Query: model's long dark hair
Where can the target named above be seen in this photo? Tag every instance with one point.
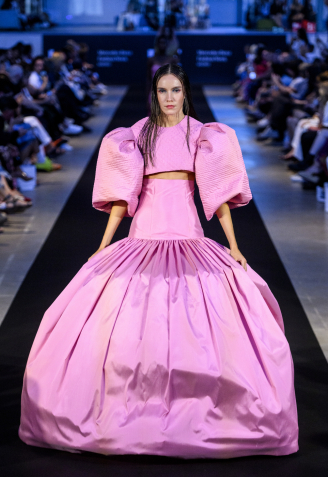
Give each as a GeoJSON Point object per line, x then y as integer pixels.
{"type": "Point", "coordinates": [148, 134]}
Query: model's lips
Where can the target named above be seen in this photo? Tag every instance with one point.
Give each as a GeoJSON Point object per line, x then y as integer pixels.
{"type": "Point", "coordinates": [170, 106]}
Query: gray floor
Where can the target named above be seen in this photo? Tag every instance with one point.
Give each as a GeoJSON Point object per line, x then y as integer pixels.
{"type": "Point", "coordinates": [27, 231]}
{"type": "Point", "coordinates": [296, 222]}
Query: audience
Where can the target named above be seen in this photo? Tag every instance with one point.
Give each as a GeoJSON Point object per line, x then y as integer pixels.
{"type": "Point", "coordinates": [43, 101]}
{"type": "Point", "coordinates": [288, 99]}
{"type": "Point", "coordinates": [270, 14]}
{"type": "Point", "coordinates": [177, 14]}
{"type": "Point", "coordinates": [30, 15]}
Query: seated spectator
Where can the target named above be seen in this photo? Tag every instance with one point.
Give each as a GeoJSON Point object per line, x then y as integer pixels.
{"type": "Point", "coordinates": [11, 200]}
{"type": "Point", "coordinates": [300, 43]}
{"type": "Point", "coordinates": [20, 135]}
{"type": "Point", "coordinates": [38, 81]}
{"type": "Point", "coordinates": [151, 14]}
{"type": "Point", "coordinates": [285, 98]}
{"type": "Point", "coordinates": [277, 12]}
{"type": "Point", "coordinates": [39, 100]}
{"type": "Point", "coordinates": [295, 13]}
{"type": "Point", "coordinates": [315, 138]}
{"type": "Point", "coordinates": [72, 89]}
{"type": "Point", "coordinates": [257, 69]}
{"type": "Point", "coordinates": [308, 11]}
{"type": "Point", "coordinates": [55, 106]}
{"type": "Point", "coordinates": [268, 14]}
{"type": "Point", "coordinates": [291, 108]}
{"type": "Point", "coordinates": [203, 13]}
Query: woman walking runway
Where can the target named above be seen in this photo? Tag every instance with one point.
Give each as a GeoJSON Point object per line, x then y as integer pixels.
{"type": "Point", "coordinates": [165, 342]}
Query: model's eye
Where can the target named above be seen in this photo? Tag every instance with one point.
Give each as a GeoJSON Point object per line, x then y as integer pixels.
{"type": "Point", "coordinates": [176, 90]}
{"type": "Point", "coordinates": [161, 90]}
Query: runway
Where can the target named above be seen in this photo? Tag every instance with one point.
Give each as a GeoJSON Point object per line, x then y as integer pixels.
{"type": "Point", "coordinates": [74, 237]}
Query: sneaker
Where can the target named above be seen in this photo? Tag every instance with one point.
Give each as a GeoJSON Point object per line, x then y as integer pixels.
{"type": "Point", "coordinates": [267, 133]}
{"type": "Point", "coordinates": [68, 121]}
{"type": "Point", "coordinates": [254, 114]}
{"type": "Point", "coordinates": [263, 123]}
{"type": "Point", "coordinates": [66, 147]}
{"type": "Point", "coordinates": [72, 130]}
{"type": "Point", "coordinates": [100, 88]}
{"type": "Point", "coordinates": [320, 193]}
{"type": "Point", "coordinates": [296, 178]}
{"type": "Point", "coordinates": [308, 176]}
{"type": "Point", "coordinates": [48, 166]}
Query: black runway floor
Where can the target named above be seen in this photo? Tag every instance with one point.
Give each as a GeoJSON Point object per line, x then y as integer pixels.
{"type": "Point", "coordinates": [74, 237]}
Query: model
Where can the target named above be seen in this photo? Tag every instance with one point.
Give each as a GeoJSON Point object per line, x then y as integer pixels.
{"type": "Point", "coordinates": [165, 342]}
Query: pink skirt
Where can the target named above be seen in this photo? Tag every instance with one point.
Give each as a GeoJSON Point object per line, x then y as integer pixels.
{"type": "Point", "coordinates": [162, 344]}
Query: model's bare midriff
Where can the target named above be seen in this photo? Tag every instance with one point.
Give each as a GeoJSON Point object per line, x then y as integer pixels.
{"type": "Point", "coordinates": [183, 175]}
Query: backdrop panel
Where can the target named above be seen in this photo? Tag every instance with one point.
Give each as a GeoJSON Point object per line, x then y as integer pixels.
{"type": "Point", "coordinates": [208, 59]}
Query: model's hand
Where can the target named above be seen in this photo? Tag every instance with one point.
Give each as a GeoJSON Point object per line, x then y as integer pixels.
{"type": "Point", "coordinates": [99, 250]}
{"type": "Point", "coordinates": [239, 257]}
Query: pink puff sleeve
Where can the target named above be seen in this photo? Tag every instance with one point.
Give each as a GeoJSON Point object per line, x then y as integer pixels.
{"type": "Point", "coordinates": [119, 171]}
{"type": "Point", "coordinates": [220, 170]}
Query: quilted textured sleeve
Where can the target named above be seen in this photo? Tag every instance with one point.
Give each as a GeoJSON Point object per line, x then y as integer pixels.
{"type": "Point", "coordinates": [220, 170]}
{"type": "Point", "coordinates": [119, 171]}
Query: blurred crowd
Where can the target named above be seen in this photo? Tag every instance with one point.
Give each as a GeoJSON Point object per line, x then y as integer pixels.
{"type": "Point", "coordinates": [286, 95]}
{"type": "Point", "coordinates": [152, 14]}
{"type": "Point", "coordinates": [23, 15]}
{"type": "Point", "coordinates": [43, 102]}
{"type": "Point", "coordinates": [191, 14]}
{"type": "Point", "coordinates": [273, 14]}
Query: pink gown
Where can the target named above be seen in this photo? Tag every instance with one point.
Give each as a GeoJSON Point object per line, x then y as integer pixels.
{"type": "Point", "coordinates": [162, 343]}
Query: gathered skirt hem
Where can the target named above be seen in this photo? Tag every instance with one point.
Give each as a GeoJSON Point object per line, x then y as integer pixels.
{"type": "Point", "coordinates": [162, 347]}
{"type": "Point", "coordinates": [174, 450]}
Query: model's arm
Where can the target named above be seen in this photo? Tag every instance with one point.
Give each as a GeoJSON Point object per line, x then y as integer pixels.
{"type": "Point", "coordinates": [224, 216]}
{"type": "Point", "coordinates": [116, 215]}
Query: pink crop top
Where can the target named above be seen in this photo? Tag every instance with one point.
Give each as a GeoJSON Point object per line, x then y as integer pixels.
{"type": "Point", "coordinates": [172, 152]}
{"type": "Point", "coordinates": [214, 156]}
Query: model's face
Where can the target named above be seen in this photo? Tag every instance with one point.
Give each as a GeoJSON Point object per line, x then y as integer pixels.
{"type": "Point", "coordinates": [170, 95]}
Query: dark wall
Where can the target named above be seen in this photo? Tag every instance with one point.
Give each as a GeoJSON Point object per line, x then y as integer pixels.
{"type": "Point", "coordinates": [208, 59]}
